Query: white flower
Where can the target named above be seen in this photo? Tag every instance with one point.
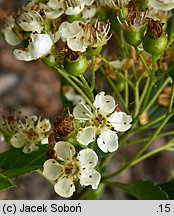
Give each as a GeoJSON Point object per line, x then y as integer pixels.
{"type": "Point", "coordinates": [67, 169]}
{"type": "Point", "coordinates": [72, 34]}
{"type": "Point", "coordinates": [71, 95]}
{"type": "Point", "coordinates": [163, 5]}
{"type": "Point", "coordinates": [70, 7]}
{"type": "Point", "coordinates": [31, 21]}
{"type": "Point", "coordinates": [9, 32]}
{"type": "Point", "coordinates": [101, 122]}
{"type": "Point", "coordinates": [30, 134]}
{"type": "Point", "coordinates": [113, 3]}
{"type": "Point", "coordinates": [40, 45]}
{"type": "Point", "coordinates": [8, 124]}
{"type": "Point", "coordinates": [79, 36]}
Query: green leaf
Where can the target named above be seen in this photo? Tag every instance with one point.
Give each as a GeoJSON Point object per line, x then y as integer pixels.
{"type": "Point", "coordinates": [143, 190]}
{"type": "Point", "coordinates": [14, 162]}
{"type": "Point", "coordinates": [5, 183]}
{"type": "Point", "coordinates": [168, 187]}
{"type": "Point", "coordinates": [95, 194]}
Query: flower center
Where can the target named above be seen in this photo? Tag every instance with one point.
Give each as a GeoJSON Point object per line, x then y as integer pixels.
{"type": "Point", "coordinates": [101, 122]}
{"type": "Point", "coordinates": [71, 168]}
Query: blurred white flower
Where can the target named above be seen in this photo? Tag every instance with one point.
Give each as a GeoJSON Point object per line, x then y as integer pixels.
{"type": "Point", "coordinates": [30, 134]}
{"type": "Point", "coordinates": [163, 5]}
{"type": "Point", "coordinates": [67, 169]}
{"type": "Point", "coordinates": [10, 33]}
{"type": "Point", "coordinates": [70, 7]}
{"type": "Point", "coordinates": [71, 95]}
{"type": "Point", "coordinates": [39, 46]}
{"type": "Point", "coordinates": [113, 3]}
{"type": "Point", "coordinates": [103, 121]}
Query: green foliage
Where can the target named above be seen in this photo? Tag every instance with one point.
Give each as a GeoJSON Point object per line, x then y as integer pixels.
{"type": "Point", "coordinates": [143, 190]}
{"type": "Point", "coordinates": [14, 162]}
{"type": "Point", "coordinates": [168, 187]}
{"type": "Point", "coordinates": [5, 183]}
{"type": "Point", "coordinates": [95, 194]}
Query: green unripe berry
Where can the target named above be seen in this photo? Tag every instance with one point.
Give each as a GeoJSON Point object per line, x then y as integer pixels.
{"type": "Point", "coordinates": [76, 67]}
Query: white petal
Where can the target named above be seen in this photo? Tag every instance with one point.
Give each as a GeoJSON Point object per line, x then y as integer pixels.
{"type": "Point", "coordinates": [87, 2]}
{"type": "Point", "coordinates": [65, 187]}
{"type": "Point", "coordinates": [68, 92]}
{"type": "Point", "coordinates": [88, 13]}
{"type": "Point", "coordinates": [76, 44]}
{"type": "Point", "coordinates": [91, 177]}
{"type": "Point", "coordinates": [28, 149]}
{"type": "Point", "coordinates": [69, 30]}
{"type": "Point", "coordinates": [86, 135]}
{"type": "Point", "coordinates": [163, 5]}
{"type": "Point", "coordinates": [22, 55]}
{"type": "Point", "coordinates": [52, 170]}
{"type": "Point", "coordinates": [77, 100]}
{"type": "Point", "coordinates": [44, 124]}
{"type": "Point", "coordinates": [108, 141]}
{"type": "Point", "coordinates": [55, 4]}
{"type": "Point", "coordinates": [105, 104]}
{"type": "Point", "coordinates": [120, 121]}
{"type": "Point", "coordinates": [31, 26]}
{"type": "Point", "coordinates": [64, 150]}
{"type": "Point", "coordinates": [88, 159]}
{"type": "Point", "coordinates": [54, 14]}
{"type": "Point", "coordinates": [82, 112]}
{"type": "Point", "coordinates": [18, 140]}
{"type": "Point", "coordinates": [40, 45]}
{"type": "Point", "coordinates": [10, 37]}
{"type": "Point", "coordinates": [74, 10]}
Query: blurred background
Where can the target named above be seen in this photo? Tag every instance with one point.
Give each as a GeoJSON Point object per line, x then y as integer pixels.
{"type": "Point", "coordinates": [33, 88]}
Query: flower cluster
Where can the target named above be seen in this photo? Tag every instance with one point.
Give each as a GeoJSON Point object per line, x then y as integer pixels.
{"type": "Point", "coordinates": [105, 121]}
{"type": "Point", "coordinates": [27, 134]}
{"type": "Point", "coordinates": [64, 167]}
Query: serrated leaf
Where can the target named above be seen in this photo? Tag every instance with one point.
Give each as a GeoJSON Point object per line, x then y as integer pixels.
{"type": "Point", "coordinates": [168, 187]}
{"type": "Point", "coordinates": [143, 190]}
{"type": "Point", "coordinates": [14, 162]}
{"type": "Point", "coordinates": [5, 183]}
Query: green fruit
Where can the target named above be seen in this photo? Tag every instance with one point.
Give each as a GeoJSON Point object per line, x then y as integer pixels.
{"type": "Point", "coordinates": [134, 35]}
{"type": "Point", "coordinates": [153, 45]}
{"type": "Point", "coordinates": [94, 51]}
{"type": "Point", "coordinates": [120, 85]}
{"type": "Point", "coordinates": [50, 60]}
{"type": "Point", "coordinates": [76, 67]}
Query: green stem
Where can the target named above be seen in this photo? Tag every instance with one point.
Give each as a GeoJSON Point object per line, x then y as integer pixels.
{"type": "Point", "coordinates": [152, 81]}
{"type": "Point", "coordinates": [125, 78]}
{"type": "Point", "coordinates": [157, 94]}
{"type": "Point", "coordinates": [93, 73]}
{"type": "Point", "coordinates": [87, 87]}
{"type": "Point", "coordinates": [143, 61]}
{"type": "Point", "coordinates": [129, 163]}
{"type": "Point", "coordinates": [136, 96]}
{"type": "Point", "coordinates": [144, 90]}
{"type": "Point", "coordinates": [126, 92]}
{"type": "Point", "coordinates": [168, 133]}
{"type": "Point", "coordinates": [76, 87]}
{"type": "Point", "coordinates": [155, 151]}
{"type": "Point", "coordinates": [120, 98]}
